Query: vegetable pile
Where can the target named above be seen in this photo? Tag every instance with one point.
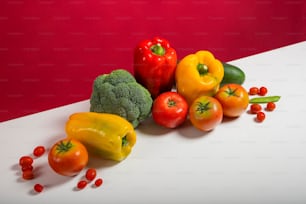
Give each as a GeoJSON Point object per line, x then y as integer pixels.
{"type": "Point", "coordinates": [199, 87]}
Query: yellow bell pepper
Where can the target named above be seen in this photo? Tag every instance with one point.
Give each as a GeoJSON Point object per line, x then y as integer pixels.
{"type": "Point", "coordinates": [198, 74]}
{"type": "Point", "coordinates": [107, 135]}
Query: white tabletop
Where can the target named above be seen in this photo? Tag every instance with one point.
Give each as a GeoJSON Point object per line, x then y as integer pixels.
{"type": "Point", "coordinates": [241, 161]}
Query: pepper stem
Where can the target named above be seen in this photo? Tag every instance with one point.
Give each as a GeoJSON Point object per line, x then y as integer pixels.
{"type": "Point", "coordinates": [202, 69]}
{"type": "Point", "coordinates": [158, 49]}
{"type": "Point", "coordinates": [124, 141]}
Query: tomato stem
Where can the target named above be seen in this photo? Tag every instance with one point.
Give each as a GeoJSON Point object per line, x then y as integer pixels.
{"type": "Point", "coordinates": [64, 146]}
{"type": "Point", "coordinates": [202, 107]}
{"type": "Point", "coordinates": [171, 103]}
{"type": "Point", "coordinates": [230, 91]}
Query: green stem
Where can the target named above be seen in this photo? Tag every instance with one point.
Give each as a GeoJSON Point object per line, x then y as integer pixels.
{"type": "Point", "coordinates": [202, 107]}
{"type": "Point", "coordinates": [63, 147]}
{"type": "Point", "coordinates": [158, 49]}
{"type": "Point", "coordinates": [125, 142]}
{"type": "Point", "coordinates": [202, 69]}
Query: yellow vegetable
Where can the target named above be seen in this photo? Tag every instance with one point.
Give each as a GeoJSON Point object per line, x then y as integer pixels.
{"type": "Point", "coordinates": [198, 74]}
{"type": "Point", "coordinates": [107, 135]}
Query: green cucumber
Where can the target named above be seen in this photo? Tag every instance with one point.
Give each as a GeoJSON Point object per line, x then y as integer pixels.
{"type": "Point", "coordinates": [232, 74]}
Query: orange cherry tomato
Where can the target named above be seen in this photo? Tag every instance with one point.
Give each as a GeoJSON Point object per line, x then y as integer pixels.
{"type": "Point", "coordinates": [205, 113]}
{"type": "Point", "coordinates": [68, 157]}
{"type": "Point", "coordinates": [233, 98]}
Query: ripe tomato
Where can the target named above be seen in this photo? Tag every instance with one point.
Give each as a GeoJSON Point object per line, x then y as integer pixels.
{"type": "Point", "coordinates": [233, 98]}
{"type": "Point", "coordinates": [39, 151]}
{"type": "Point", "coordinates": [68, 157]}
{"type": "Point", "coordinates": [90, 174]}
{"type": "Point", "coordinates": [169, 109]}
{"type": "Point", "coordinates": [205, 113]}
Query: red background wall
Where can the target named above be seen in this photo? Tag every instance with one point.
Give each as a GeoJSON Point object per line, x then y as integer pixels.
{"type": "Point", "coordinates": [51, 51]}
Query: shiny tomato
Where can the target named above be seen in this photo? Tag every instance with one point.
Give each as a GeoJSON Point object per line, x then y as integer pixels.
{"type": "Point", "coordinates": [68, 157]}
{"type": "Point", "coordinates": [169, 109]}
{"type": "Point", "coordinates": [205, 113]}
{"type": "Point", "coordinates": [233, 98]}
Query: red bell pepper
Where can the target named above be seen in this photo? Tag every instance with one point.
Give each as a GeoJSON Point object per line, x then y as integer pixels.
{"type": "Point", "coordinates": [154, 65]}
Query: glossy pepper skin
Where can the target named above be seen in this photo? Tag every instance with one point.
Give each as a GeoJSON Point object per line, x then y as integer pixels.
{"type": "Point", "coordinates": [154, 65]}
{"type": "Point", "coordinates": [107, 135]}
{"type": "Point", "coordinates": [198, 74]}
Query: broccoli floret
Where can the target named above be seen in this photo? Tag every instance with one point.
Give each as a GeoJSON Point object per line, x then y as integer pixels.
{"type": "Point", "coordinates": [119, 93]}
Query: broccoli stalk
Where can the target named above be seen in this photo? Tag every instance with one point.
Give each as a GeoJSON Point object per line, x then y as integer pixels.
{"type": "Point", "coordinates": [119, 93]}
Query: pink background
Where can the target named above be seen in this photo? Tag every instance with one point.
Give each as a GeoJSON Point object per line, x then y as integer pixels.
{"type": "Point", "coordinates": [51, 51]}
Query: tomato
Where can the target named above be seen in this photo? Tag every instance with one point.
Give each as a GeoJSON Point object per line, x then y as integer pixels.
{"type": "Point", "coordinates": [255, 108]}
{"type": "Point", "coordinates": [270, 106]}
{"type": "Point", "coordinates": [253, 91]}
{"type": "Point", "coordinates": [91, 174]}
{"type": "Point", "coordinates": [82, 184]}
{"type": "Point", "coordinates": [169, 109]}
{"type": "Point", "coordinates": [38, 188]}
{"type": "Point", "coordinates": [25, 161]}
{"type": "Point", "coordinates": [68, 157]}
{"type": "Point", "coordinates": [98, 182]}
{"type": "Point", "coordinates": [233, 98]}
{"type": "Point", "coordinates": [262, 91]}
{"type": "Point", "coordinates": [39, 151]}
{"type": "Point", "coordinates": [205, 113]}
{"type": "Point", "coordinates": [260, 116]}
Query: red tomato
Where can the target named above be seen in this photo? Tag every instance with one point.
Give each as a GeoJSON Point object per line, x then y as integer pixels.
{"type": "Point", "coordinates": [262, 91]}
{"type": "Point", "coordinates": [205, 113]}
{"type": "Point", "coordinates": [255, 108]}
{"type": "Point", "coordinates": [39, 151]}
{"type": "Point", "coordinates": [260, 116]}
{"type": "Point", "coordinates": [253, 91]}
{"type": "Point", "coordinates": [233, 98]}
{"type": "Point", "coordinates": [169, 109]}
{"type": "Point", "coordinates": [270, 106]}
{"type": "Point", "coordinates": [91, 174]}
{"type": "Point", "coordinates": [68, 157]}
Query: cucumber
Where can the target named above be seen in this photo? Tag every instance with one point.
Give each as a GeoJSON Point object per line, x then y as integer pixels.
{"type": "Point", "coordinates": [232, 74]}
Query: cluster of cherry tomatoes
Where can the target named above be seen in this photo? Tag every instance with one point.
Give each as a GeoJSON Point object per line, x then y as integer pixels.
{"type": "Point", "coordinates": [71, 157]}
{"type": "Point", "coordinates": [257, 108]}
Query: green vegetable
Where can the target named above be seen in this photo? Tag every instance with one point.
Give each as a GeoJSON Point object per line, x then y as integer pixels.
{"type": "Point", "coordinates": [119, 93]}
{"type": "Point", "coordinates": [232, 74]}
{"type": "Point", "coordinates": [265, 99]}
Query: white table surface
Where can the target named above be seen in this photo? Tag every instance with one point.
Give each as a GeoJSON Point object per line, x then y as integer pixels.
{"type": "Point", "coordinates": [241, 161]}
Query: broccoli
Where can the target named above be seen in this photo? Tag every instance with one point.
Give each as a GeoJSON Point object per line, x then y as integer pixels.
{"type": "Point", "coordinates": [119, 93]}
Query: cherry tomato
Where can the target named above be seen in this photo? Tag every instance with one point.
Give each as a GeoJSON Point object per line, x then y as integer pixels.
{"type": "Point", "coordinates": [262, 91]}
{"type": "Point", "coordinates": [98, 182]}
{"type": "Point", "coordinates": [28, 175]}
{"type": "Point", "coordinates": [205, 113]}
{"type": "Point", "coordinates": [90, 174]}
{"type": "Point", "coordinates": [68, 157]}
{"type": "Point", "coordinates": [260, 116]}
{"type": "Point", "coordinates": [255, 108]}
{"type": "Point", "coordinates": [233, 98]}
{"type": "Point", "coordinates": [270, 106]}
{"type": "Point", "coordinates": [253, 91]}
{"type": "Point", "coordinates": [169, 109]}
{"type": "Point", "coordinates": [39, 151]}
{"type": "Point", "coordinates": [82, 184]}
{"type": "Point", "coordinates": [38, 188]}
{"type": "Point", "coordinates": [26, 168]}
{"type": "Point", "coordinates": [25, 161]}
